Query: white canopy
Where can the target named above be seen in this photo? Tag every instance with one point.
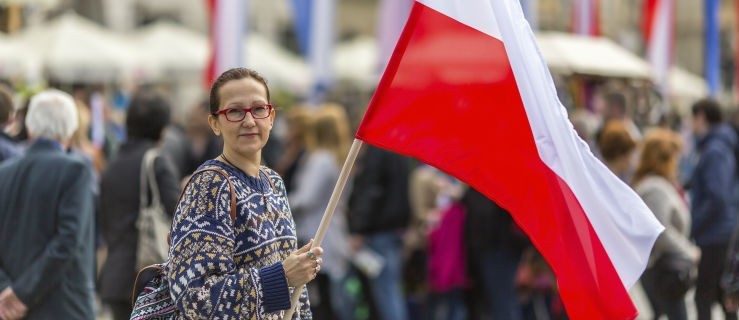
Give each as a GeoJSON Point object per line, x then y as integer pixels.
{"type": "Point", "coordinates": [686, 88]}
{"type": "Point", "coordinates": [76, 50]}
{"type": "Point", "coordinates": [280, 67]}
{"type": "Point", "coordinates": [170, 49]}
{"type": "Point", "coordinates": [357, 61]}
{"type": "Point", "coordinates": [17, 60]}
{"type": "Point", "coordinates": [598, 56]}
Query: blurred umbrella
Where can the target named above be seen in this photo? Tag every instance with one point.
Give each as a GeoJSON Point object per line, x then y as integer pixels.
{"type": "Point", "coordinates": [357, 61]}
{"type": "Point", "coordinates": [42, 3]}
{"type": "Point", "coordinates": [596, 56]}
{"type": "Point", "coordinates": [18, 60]}
{"type": "Point", "coordinates": [172, 49]}
{"type": "Point", "coordinates": [74, 49]}
{"type": "Point", "coordinates": [280, 67]}
{"type": "Point", "coordinates": [686, 88]}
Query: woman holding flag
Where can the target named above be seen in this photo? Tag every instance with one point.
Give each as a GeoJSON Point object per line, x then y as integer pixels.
{"type": "Point", "coordinates": [240, 265]}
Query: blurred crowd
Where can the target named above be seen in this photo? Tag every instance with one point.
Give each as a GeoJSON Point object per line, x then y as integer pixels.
{"type": "Point", "coordinates": [408, 241]}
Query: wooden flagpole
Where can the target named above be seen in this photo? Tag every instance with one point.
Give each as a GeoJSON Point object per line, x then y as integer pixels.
{"type": "Point", "coordinates": [328, 214]}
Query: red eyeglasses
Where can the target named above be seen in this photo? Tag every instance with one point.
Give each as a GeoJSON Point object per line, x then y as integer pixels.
{"type": "Point", "coordinates": [238, 114]}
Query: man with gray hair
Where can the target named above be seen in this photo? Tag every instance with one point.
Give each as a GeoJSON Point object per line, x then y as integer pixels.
{"type": "Point", "coordinates": [46, 213]}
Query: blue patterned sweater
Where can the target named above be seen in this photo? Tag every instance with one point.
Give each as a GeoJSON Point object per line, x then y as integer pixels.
{"type": "Point", "coordinates": [219, 269]}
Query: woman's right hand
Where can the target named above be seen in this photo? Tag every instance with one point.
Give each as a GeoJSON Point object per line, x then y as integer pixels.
{"type": "Point", "coordinates": [302, 265]}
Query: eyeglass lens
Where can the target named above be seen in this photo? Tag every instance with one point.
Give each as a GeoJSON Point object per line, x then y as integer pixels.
{"type": "Point", "coordinates": [257, 112]}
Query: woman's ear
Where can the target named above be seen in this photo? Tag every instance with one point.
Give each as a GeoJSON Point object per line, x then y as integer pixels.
{"type": "Point", "coordinates": [272, 118]}
{"type": "Point", "coordinates": [214, 125]}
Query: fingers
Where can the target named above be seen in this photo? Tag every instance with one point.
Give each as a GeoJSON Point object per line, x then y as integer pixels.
{"type": "Point", "coordinates": [305, 248]}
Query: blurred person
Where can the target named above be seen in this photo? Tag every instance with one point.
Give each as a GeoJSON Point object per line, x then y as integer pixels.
{"type": "Point", "coordinates": [176, 147]}
{"type": "Point", "coordinates": [584, 131]}
{"type": "Point", "coordinates": [204, 144]}
{"type": "Point", "coordinates": [379, 212]}
{"type": "Point", "coordinates": [447, 275]}
{"type": "Point", "coordinates": [315, 178]}
{"type": "Point", "coordinates": [435, 224]}
{"type": "Point", "coordinates": [424, 189]}
{"type": "Point", "coordinates": [494, 246]}
{"type": "Point", "coordinates": [81, 141]}
{"type": "Point", "coordinates": [656, 183]}
{"type": "Point", "coordinates": [615, 108]}
{"type": "Point", "coordinates": [713, 207]}
{"type": "Point", "coordinates": [242, 268]}
{"type": "Point", "coordinates": [9, 148]}
{"type": "Point", "coordinates": [617, 147]}
{"type": "Point", "coordinates": [296, 121]}
{"type": "Point", "coordinates": [146, 120]}
{"type": "Point", "coordinates": [730, 278]}
{"type": "Point", "coordinates": [46, 211]}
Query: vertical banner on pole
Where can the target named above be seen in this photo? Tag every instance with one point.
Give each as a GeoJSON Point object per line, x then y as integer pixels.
{"type": "Point", "coordinates": [227, 19]}
{"type": "Point", "coordinates": [585, 18]}
{"type": "Point", "coordinates": [659, 34]}
{"type": "Point", "coordinates": [713, 46]}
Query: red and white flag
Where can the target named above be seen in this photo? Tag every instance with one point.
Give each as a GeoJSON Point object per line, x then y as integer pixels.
{"type": "Point", "coordinates": [467, 91]}
{"type": "Point", "coordinates": [586, 17]}
{"type": "Point", "coordinates": [659, 33]}
{"type": "Point", "coordinates": [227, 25]}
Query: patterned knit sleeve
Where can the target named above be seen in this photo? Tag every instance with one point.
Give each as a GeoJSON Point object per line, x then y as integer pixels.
{"type": "Point", "coordinates": [203, 278]}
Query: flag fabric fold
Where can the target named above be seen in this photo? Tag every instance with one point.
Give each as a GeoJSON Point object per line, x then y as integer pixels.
{"type": "Point", "coordinates": [659, 29]}
{"type": "Point", "coordinates": [227, 19]}
{"type": "Point", "coordinates": [467, 91]}
{"type": "Point", "coordinates": [586, 17]}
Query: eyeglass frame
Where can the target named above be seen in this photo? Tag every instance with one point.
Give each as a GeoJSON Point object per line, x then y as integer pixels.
{"type": "Point", "coordinates": [224, 112]}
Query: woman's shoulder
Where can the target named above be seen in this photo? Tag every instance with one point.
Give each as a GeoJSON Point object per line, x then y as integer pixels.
{"type": "Point", "coordinates": [653, 182]}
{"type": "Point", "coordinates": [210, 173]}
{"type": "Point", "coordinates": [273, 176]}
{"type": "Point", "coordinates": [657, 186]}
{"type": "Point", "coordinates": [270, 172]}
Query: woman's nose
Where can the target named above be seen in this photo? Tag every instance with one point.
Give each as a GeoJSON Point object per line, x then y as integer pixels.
{"type": "Point", "coordinates": [248, 120]}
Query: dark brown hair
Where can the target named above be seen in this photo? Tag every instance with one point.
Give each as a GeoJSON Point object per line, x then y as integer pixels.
{"type": "Point", "coordinates": [615, 140]}
{"type": "Point", "coordinates": [6, 104]}
{"type": "Point", "coordinates": [710, 108]}
{"type": "Point", "coordinates": [229, 75]}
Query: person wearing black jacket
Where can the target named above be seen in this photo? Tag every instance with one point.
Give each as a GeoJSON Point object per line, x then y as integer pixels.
{"type": "Point", "coordinates": [147, 117]}
{"type": "Point", "coordinates": [494, 245]}
{"type": "Point", "coordinates": [378, 213]}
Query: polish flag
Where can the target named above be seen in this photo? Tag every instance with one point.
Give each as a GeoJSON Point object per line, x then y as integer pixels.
{"type": "Point", "coordinates": [586, 17]}
{"type": "Point", "coordinates": [659, 31]}
{"type": "Point", "coordinates": [467, 91]}
{"type": "Point", "coordinates": [227, 20]}
{"type": "Point", "coordinates": [392, 15]}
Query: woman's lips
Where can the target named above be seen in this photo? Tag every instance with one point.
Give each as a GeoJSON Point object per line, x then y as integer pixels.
{"type": "Point", "coordinates": [248, 135]}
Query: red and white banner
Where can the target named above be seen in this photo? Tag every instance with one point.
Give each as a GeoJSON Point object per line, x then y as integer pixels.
{"type": "Point", "coordinates": [392, 17]}
{"type": "Point", "coordinates": [227, 20]}
{"type": "Point", "coordinates": [586, 17]}
{"type": "Point", "coordinates": [467, 91]}
{"type": "Point", "coordinates": [659, 34]}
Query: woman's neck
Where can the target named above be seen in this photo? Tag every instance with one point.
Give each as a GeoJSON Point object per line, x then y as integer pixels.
{"type": "Point", "coordinates": [249, 165]}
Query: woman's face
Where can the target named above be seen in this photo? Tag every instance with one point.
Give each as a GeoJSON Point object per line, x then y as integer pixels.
{"type": "Point", "coordinates": [246, 137]}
